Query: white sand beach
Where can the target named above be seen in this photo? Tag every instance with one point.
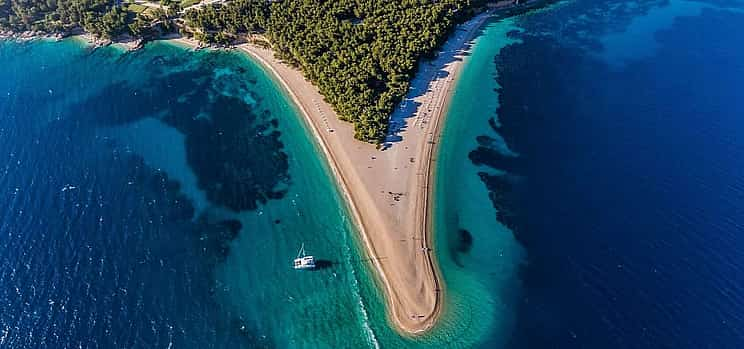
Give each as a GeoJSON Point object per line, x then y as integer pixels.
{"type": "Point", "coordinates": [388, 191]}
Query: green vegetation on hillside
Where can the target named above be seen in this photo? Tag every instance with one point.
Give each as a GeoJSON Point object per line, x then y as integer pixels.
{"type": "Point", "coordinates": [220, 24]}
{"type": "Point", "coordinates": [105, 19]}
{"type": "Point", "coordinates": [98, 17]}
{"type": "Point", "coordinates": [360, 53]}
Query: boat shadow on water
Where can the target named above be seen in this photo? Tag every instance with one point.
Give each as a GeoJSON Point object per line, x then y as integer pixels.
{"type": "Point", "coordinates": [321, 264]}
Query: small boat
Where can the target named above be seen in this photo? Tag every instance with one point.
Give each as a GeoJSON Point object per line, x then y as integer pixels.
{"type": "Point", "coordinates": [303, 261]}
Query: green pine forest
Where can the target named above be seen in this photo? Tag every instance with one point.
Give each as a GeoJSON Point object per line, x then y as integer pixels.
{"type": "Point", "coordinates": [361, 54]}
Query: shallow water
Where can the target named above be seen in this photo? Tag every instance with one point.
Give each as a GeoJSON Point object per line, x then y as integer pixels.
{"type": "Point", "coordinates": [593, 155]}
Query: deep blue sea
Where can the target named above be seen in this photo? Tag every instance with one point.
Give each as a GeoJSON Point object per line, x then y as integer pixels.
{"type": "Point", "coordinates": [98, 248]}
{"type": "Point", "coordinates": [590, 194]}
{"type": "Point", "coordinates": [624, 175]}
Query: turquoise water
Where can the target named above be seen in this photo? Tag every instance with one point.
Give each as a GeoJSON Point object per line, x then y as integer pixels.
{"type": "Point", "coordinates": [158, 198]}
{"type": "Point", "coordinates": [480, 278]}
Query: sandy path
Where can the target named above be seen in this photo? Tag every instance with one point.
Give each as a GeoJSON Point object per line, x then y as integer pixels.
{"type": "Point", "coordinates": [388, 191]}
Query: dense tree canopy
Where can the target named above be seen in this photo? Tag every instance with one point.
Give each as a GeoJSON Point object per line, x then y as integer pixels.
{"type": "Point", "coordinates": [360, 53]}
{"type": "Point", "coordinates": [221, 24]}
{"type": "Point", "coordinates": [105, 19]}
{"type": "Point", "coordinates": [98, 17]}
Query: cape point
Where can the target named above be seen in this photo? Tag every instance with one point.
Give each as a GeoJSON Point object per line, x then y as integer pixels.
{"type": "Point", "coordinates": [388, 189]}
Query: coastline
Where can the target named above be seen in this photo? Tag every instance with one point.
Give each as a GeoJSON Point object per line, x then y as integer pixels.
{"type": "Point", "coordinates": [266, 60]}
{"type": "Point", "coordinates": [126, 43]}
{"type": "Point", "coordinates": [322, 119]}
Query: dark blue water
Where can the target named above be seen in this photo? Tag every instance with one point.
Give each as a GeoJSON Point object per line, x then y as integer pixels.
{"type": "Point", "coordinates": [628, 191]}
{"type": "Point", "coordinates": [100, 248]}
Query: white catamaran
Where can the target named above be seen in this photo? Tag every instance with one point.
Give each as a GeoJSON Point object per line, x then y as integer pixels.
{"type": "Point", "coordinates": [302, 261]}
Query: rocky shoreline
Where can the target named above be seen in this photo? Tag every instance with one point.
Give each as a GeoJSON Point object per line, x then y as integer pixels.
{"type": "Point", "coordinates": [29, 35]}
{"type": "Point", "coordinates": [127, 42]}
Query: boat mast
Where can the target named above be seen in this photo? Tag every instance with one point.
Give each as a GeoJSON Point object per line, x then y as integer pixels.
{"type": "Point", "coordinates": [302, 251]}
